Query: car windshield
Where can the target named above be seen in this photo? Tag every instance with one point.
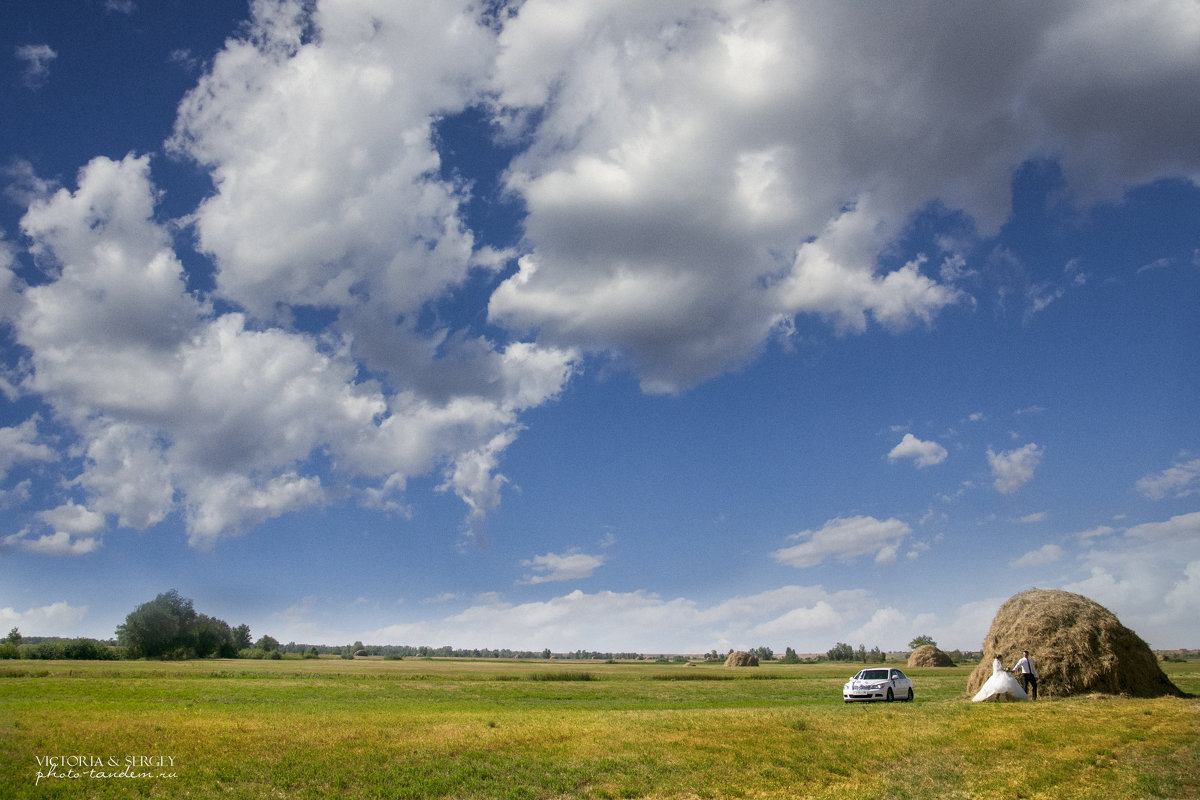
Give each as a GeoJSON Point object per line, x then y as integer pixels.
{"type": "Point", "coordinates": [873, 675]}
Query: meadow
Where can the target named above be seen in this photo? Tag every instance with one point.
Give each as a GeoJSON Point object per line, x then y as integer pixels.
{"type": "Point", "coordinates": [502, 729]}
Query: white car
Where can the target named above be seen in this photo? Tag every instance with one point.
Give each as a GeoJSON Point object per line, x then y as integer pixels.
{"type": "Point", "coordinates": [879, 683]}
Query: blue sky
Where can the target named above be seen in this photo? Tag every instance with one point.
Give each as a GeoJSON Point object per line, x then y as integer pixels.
{"type": "Point", "coordinates": [599, 325]}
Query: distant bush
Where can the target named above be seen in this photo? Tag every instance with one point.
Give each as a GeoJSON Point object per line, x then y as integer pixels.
{"type": "Point", "coordinates": [9, 650]}
{"type": "Point", "coordinates": [23, 673]}
{"type": "Point", "coordinates": [88, 649]}
{"type": "Point", "coordinates": [63, 649]}
{"type": "Point", "coordinates": [48, 650]}
{"type": "Point", "coordinates": [565, 675]}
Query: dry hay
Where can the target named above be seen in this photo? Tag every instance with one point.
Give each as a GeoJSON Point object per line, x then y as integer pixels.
{"type": "Point", "coordinates": [1077, 646]}
{"type": "Point", "coordinates": [928, 655]}
{"type": "Point", "coordinates": [741, 659]}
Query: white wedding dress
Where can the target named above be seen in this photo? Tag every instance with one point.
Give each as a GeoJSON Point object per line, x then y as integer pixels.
{"type": "Point", "coordinates": [1000, 687]}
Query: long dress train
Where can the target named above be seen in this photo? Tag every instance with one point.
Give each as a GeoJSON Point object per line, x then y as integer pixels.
{"type": "Point", "coordinates": [1001, 687]}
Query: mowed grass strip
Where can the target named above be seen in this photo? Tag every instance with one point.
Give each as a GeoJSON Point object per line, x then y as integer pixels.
{"type": "Point", "coordinates": [415, 729]}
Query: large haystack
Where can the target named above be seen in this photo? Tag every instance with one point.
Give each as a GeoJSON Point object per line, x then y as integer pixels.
{"type": "Point", "coordinates": [741, 659]}
{"type": "Point", "coordinates": [928, 655]}
{"type": "Point", "coordinates": [1077, 645]}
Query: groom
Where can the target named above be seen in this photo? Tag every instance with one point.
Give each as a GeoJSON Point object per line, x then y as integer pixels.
{"type": "Point", "coordinates": [1029, 675]}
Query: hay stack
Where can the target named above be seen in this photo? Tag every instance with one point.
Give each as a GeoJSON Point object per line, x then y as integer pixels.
{"type": "Point", "coordinates": [1077, 645]}
{"type": "Point", "coordinates": [741, 659]}
{"type": "Point", "coordinates": [928, 655]}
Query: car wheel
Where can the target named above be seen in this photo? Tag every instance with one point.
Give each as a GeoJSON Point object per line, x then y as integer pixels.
{"type": "Point", "coordinates": [909, 694]}
{"type": "Point", "coordinates": [890, 696]}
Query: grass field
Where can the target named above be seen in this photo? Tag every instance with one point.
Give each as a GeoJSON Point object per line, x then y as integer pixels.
{"type": "Point", "coordinates": [466, 729]}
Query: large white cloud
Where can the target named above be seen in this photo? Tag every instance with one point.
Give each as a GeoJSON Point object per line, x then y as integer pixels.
{"type": "Point", "coordinates": [169, 397]}
{"type": "Point", "coordinates": [702, 172]}
{"type": "Point", "coordinates": [320, 147]}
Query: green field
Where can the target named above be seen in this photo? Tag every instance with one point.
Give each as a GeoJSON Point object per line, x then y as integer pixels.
{"type": "Point", "coordinates": [479, 729]}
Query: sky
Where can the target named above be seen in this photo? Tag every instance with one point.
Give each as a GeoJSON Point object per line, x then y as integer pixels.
{"type": "Point", "coordinates": [599, 324]}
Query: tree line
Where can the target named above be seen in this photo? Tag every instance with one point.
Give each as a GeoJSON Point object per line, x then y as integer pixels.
{"type": "Point", "coordinates": [169, 627]}
{"type": "Point", "coordinates": [166, 627]}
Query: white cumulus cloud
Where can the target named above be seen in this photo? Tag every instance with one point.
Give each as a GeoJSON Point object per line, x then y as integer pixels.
{"type": "Point", "coordinates": [74, 531]}
{"type": "Point", "coordinates": [696, 176]}
{"type": "Point", "coordinates": [216, 416]}
{"type": "Point", "coordinates": [923, 454]}
{"type": "Point", "coordinates": [1013, 469]}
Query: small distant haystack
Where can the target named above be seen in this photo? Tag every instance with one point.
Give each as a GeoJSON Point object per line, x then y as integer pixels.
{"type": "Point", "coordinates": [1077, 645]}
{"type": "Point", "coordinates": [928, 655]}
{"type": "Point", "coordinates": [741, 659]}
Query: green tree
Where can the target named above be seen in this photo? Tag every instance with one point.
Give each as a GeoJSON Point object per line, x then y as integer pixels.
{"type": "Point", "coordinates": [920, 640]}
{"type": "Point", "coordinates": [840, 652]}
{"type": "Point", "coordinates": [790, 657]}
{"type": "Point", "coordinates": [241, 637]}
{"type": "Point", "coordinates": [11, 648]}
{"type": "Point", "coordinates": [267, 644]}
{"type": "Point", "coordinates": [213, 637]}
{"type": "Point", "coordinates": [161, 628]}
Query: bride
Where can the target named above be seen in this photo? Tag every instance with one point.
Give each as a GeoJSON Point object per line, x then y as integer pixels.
{"type": "Point", "coordinates": [1001, 686]}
